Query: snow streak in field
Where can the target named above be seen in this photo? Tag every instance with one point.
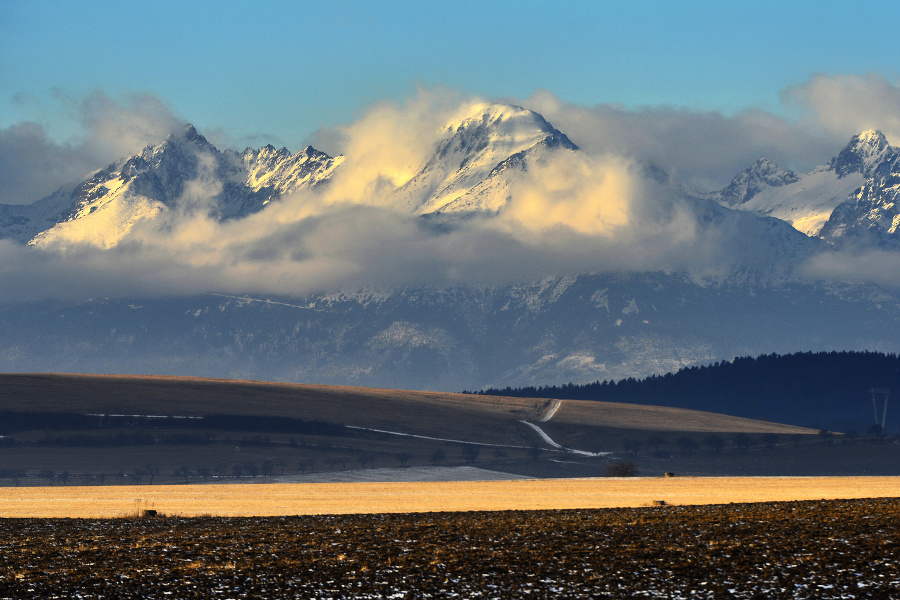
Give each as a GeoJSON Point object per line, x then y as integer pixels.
{"type": "Point", "coordinates": [552, 411]}
{"type": "Point", "coordinates": [436, 439]}
{"type": "Point", "coordinates": [550, 441]}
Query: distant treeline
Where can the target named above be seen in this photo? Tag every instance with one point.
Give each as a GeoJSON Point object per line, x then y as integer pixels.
{"type": "Point", "coordinates": [12, 422]}
{"type": "Point", "coordinates": [825, 390]}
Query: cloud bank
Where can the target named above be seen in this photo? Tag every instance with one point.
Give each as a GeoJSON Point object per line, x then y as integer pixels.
{"type": "Point", "coordinates": [33, 166]}
{"type": "Point", "coordinates": [604, 209]}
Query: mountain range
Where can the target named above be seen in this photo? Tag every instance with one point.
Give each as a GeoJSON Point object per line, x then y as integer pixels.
{"type": "Point", "coordinates": [851, 199]}
{"type": "Point", "coordinates": [580, 327]}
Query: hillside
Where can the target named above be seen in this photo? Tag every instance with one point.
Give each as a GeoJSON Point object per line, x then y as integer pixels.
{"type": "Point", "coordinates": [822, 390]}
{"type": "Point", "coordinates": [101, 428]}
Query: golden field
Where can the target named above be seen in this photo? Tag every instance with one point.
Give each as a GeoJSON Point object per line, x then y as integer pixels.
{"type": "Point", "coordinates": [371, 498]}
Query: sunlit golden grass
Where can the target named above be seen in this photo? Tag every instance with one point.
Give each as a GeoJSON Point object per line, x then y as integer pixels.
{"type": "Point", "coordinates": [662, 418]}
{"type": "Point", "coordinates": [348, 498]}
{"type": "Point", "coordinates": [483, 419]}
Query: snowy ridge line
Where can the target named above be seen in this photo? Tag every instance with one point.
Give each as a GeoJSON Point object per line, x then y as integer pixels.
{"type": "Point", "coordinates": [550, 441]}
{"type": "Point", "coordinates": [436, 439]}
{"type": "Point", "coordinates": [267, 301]}
{"type": "Point", "coordinates": [552, 411]}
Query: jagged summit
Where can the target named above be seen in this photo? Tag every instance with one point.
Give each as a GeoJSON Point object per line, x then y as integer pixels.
{"type": "Point", "coordinates": [863, 154]}
{"type": "Point", "coordinates": [502, 126]}
{"type": "Point", "coordinates": [106, 206]}
{"type": "Point", "coordinates": [475, 156]}
{"type": "Point", "coordinates": [809, 200]}
{"type": "Point", "coordinates": [479, 159]}
{"type": "Point", "coordinates": [871, 214]}
{"type": "Point", "coordinates": [748, 183]}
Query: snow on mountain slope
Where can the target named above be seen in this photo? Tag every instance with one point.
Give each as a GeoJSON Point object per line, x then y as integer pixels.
{"type": "Point", "coordinates": [761, 175]}
{"type": "Point", "coordinates": [807, 201]}
{"type": "Point", "coordinates": [109, 213]}
{"type": "Point", "coordinates": [106, 207]}
{"type": "Point", "coordinates": [282, 172]}
{"type": "Point", "coordinates": [20, 222]}
{"type": "Point", "coordinates": [871, 216]}
{"type": "Point", "coordinates": [865, 153]}
{"type": "Point", "coordinates": [472, 161]}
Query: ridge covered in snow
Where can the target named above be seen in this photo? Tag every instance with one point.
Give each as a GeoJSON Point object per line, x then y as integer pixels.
{"type": "Point", "coordinates": [808, 201]}
{"type": "Point", "coordinates": [104, 208]}
{"type": "Point", "coordinates": [474, 158]}
{"type": "Point", "coordinates": [476, 161]}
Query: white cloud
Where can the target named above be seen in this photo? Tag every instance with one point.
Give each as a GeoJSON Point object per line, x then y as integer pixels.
{"type": "Point", "coordinates": [600, 210]}
{"type": "Point", "coordinates": [874, 266]}
{"type": "Point", "coordinates": [32, 165]}
{"type": "Point", "coordinates": [705, 149]}
{"type": "Point", "coordinates": [844, 105]}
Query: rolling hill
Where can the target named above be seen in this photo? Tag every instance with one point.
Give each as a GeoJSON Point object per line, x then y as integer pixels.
{"type": "Point", "coordinates": [94, 429]}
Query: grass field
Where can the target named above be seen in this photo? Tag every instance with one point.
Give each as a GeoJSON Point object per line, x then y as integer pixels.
{"type": "Point", "coordinates": [369, 428]}
{"type": "Point", "coordinates": [426, 413]}
{"type": "Point", "coordinates": [351, 498]}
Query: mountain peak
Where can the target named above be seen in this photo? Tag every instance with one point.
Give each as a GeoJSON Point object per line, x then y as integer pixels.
{"type": "Point", "coordinates": [748, 183]}
{"type": "Point", "coordinates": [493, 113]}
{"type": "Point", "coordinates": [865, 151]}
{"type": "Point", "coordinates": [506, 123]}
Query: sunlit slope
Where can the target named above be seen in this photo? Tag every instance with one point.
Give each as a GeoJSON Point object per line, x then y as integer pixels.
{"type": "Point", "coordinates": [662, 418]}
{"type": "Point", "coordinates": [482, 419]}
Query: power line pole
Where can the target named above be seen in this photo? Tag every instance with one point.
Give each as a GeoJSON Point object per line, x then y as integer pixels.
{"type": "Point", "coordinates": [886, 393]}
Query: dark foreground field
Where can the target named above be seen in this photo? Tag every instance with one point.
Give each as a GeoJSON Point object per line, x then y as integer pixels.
{"type": "Point", "coordinates": [821, 549]}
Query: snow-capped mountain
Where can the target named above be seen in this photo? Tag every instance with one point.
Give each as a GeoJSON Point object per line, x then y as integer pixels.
{"type": "Point", "coordinates": [471, 170]}
{"type": "Point", "coordinates": [743, 298]}
{"type": "Point", "coordinates": [871, 215]}
{"type": "Point", "coordinates": [548, 331]}
{"type": "Point", "coordinates": [105, 207]}
{"type": "Point", "coordinates": [475, 159]}
{"type": "Point", "coordinates": [807, 201]}
{"type": "Point", "coordinates": [281, 172]}
{"type": "Point", "coordinates": [761, 175]}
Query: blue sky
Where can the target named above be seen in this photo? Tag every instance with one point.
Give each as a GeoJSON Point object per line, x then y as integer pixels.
{"type": "Point", "coordinates": [282, 70]}
{"type": "Point", "coordinates": [698, 89]}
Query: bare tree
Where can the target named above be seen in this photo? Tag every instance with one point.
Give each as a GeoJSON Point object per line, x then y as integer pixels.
{"type": "Point", "coordinates": [438, 457]}
{"type": "Point", "coordinates": [621, 469]}
{"type": "Point", "coordinates": [152, 472]}
{"type": "Point", "coordinates": [471, 453]}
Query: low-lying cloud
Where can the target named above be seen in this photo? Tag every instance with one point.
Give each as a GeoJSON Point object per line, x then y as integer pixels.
{"type": "Point", "coordinates": [604, 209]}
{"type": "Point", "coordinates": [32, 165]}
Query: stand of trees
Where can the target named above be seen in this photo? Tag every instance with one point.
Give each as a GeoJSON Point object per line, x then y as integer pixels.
{"type": "Point", "coordinates": [823, 390]}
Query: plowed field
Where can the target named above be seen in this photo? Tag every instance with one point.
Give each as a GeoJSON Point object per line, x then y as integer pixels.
{"type": "Point", "coordinates": [810, 549]}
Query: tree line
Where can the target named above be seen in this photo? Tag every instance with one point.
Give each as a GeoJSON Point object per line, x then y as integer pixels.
{"type": "Point", "coordinates": [823, 390]}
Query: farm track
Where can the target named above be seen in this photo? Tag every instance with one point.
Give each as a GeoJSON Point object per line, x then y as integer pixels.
{"type": "Point", "coordinates": [812, 549]}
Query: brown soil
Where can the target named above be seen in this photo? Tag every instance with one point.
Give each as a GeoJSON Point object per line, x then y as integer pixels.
{"type": "Point", "coordinates": [818, 549]}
